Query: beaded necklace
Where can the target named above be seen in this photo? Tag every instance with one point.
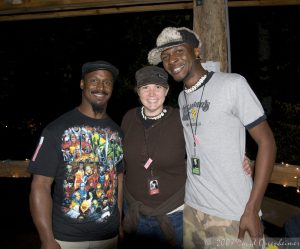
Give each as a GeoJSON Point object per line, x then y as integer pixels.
{"type": "Point", "coordinates": [164, 111]}
{"type": "Point", "coordinates": [197, 85]}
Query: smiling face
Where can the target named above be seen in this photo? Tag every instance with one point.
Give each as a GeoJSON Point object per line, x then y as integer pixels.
{"type": "Point", "coordinates": [97, 87]}
{"type": "Point", "coordinates": [152, 97]}
{"type": "Point", "coordinates": [180, 63]}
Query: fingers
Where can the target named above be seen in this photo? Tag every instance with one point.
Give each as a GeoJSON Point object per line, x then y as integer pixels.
{"type": "Point", "coordinates": [258, 237]}
{"type": "Point", "coordinates": [241, 233]}
{"type": "Point", "coordinates": [247, 169]}
{"type": "Point", "coordinates": [247, 166]}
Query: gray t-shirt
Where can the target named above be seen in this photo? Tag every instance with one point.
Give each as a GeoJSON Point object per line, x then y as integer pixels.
{"type": "Point", "coordinates": [227, 107]}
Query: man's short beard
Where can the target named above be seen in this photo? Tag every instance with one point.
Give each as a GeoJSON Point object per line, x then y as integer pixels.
{"type": "Point", "coordinates": [98, 108]}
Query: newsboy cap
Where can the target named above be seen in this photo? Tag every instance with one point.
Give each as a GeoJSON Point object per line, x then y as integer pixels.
{"type": "Point", "coordinates": [171, 37]}
{"type": "Point", "coordinates": [98, 65]}
{"type": "Point", "coordinates": [151, 75]}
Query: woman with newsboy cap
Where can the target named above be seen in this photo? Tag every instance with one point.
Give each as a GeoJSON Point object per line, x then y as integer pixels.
{"type": "Point", "coordinates": [154, 151]}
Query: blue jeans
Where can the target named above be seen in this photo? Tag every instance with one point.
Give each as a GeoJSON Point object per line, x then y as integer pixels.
{"type": "Point", "coordinates": [150, 235]}
{"type": "Point", "coordinates": [149, 227]}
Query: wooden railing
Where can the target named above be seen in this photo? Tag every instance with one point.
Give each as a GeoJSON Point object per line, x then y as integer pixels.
{"type": "Point", "coordinates": [274, 211]}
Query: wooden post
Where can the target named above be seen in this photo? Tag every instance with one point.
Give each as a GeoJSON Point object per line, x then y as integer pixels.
{"type": "Point", "coordinates": [210, 24]}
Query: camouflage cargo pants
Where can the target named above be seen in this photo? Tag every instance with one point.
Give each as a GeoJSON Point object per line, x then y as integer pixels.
{"type": "Point", "coordinates": [202, 231]}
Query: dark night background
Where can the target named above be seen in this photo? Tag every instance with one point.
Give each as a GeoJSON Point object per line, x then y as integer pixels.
{"type": "Point", "coordinates": [40, 64]}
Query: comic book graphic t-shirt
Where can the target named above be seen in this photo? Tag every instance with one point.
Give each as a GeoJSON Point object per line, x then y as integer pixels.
{"type": "Point", "coordinates": [84, 156]}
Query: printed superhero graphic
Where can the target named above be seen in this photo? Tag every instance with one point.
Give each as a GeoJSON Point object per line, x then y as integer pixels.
{"type": "Point", "coordinates": [91, 179]}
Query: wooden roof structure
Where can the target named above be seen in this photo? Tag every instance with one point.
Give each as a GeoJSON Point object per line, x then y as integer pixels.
{"type": "Point", "coordinates": [209, 16]}
{"type": "Point", "coordinates": [13, 10]}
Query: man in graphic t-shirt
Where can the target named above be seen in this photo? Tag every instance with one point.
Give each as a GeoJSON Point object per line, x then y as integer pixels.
{"type": "Point", "coordinates": [83, 211]}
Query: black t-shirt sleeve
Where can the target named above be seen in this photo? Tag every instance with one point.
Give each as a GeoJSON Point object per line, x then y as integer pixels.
{"type": "Point", "coordinates": [45, 159]}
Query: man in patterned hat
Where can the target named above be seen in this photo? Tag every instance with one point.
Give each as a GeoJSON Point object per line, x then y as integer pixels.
{"type": "Point", "coordinates": [222, 204]}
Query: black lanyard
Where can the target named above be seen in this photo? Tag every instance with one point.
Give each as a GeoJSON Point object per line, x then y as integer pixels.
{"type": "Point", "coordinates": [196, 125]}
{"type": "Point", "coordinates": [152, 123]}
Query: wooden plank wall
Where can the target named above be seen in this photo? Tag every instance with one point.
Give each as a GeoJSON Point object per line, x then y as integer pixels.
{"type": "Point", "coordinates": [41, 9]}
{"type": "Point", "coordinates": [23, 6]}
{"type": "Point", "coordinates": [12, 10]}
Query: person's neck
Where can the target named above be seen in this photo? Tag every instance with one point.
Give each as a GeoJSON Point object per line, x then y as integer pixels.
{"type": "Point", "coordinates": [149, 113]}
{"type": "Point", "coordinates": [89, 112]}
{"type": "Point", "coordinates": [200, 72]}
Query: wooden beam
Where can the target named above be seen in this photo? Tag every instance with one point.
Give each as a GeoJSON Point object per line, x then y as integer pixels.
{"type": "Point", "coordinates": [14, 10]}
{"type": "Point", "coordinates": [64, 5]}
{"type": "Point", "coordinates": [286, 175]}
{"type": "Point", "coordinates": [74, 8]}
{"type": "Point", "coordinates": [210, 23]}
{"type": "Point", "coordinates": [14, 168]}
{"type": "Point", "coordinates": [250, 3]}
{"type": "Point", "coordinates": [94, 11]}
{"type": "Point", "coordinates": [277, 212]}
{"type": "Point", "coordinates": [21, 6]}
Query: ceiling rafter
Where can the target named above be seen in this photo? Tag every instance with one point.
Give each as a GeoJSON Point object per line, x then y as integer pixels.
{"type": "Point", "coordinates": [13, 10]}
